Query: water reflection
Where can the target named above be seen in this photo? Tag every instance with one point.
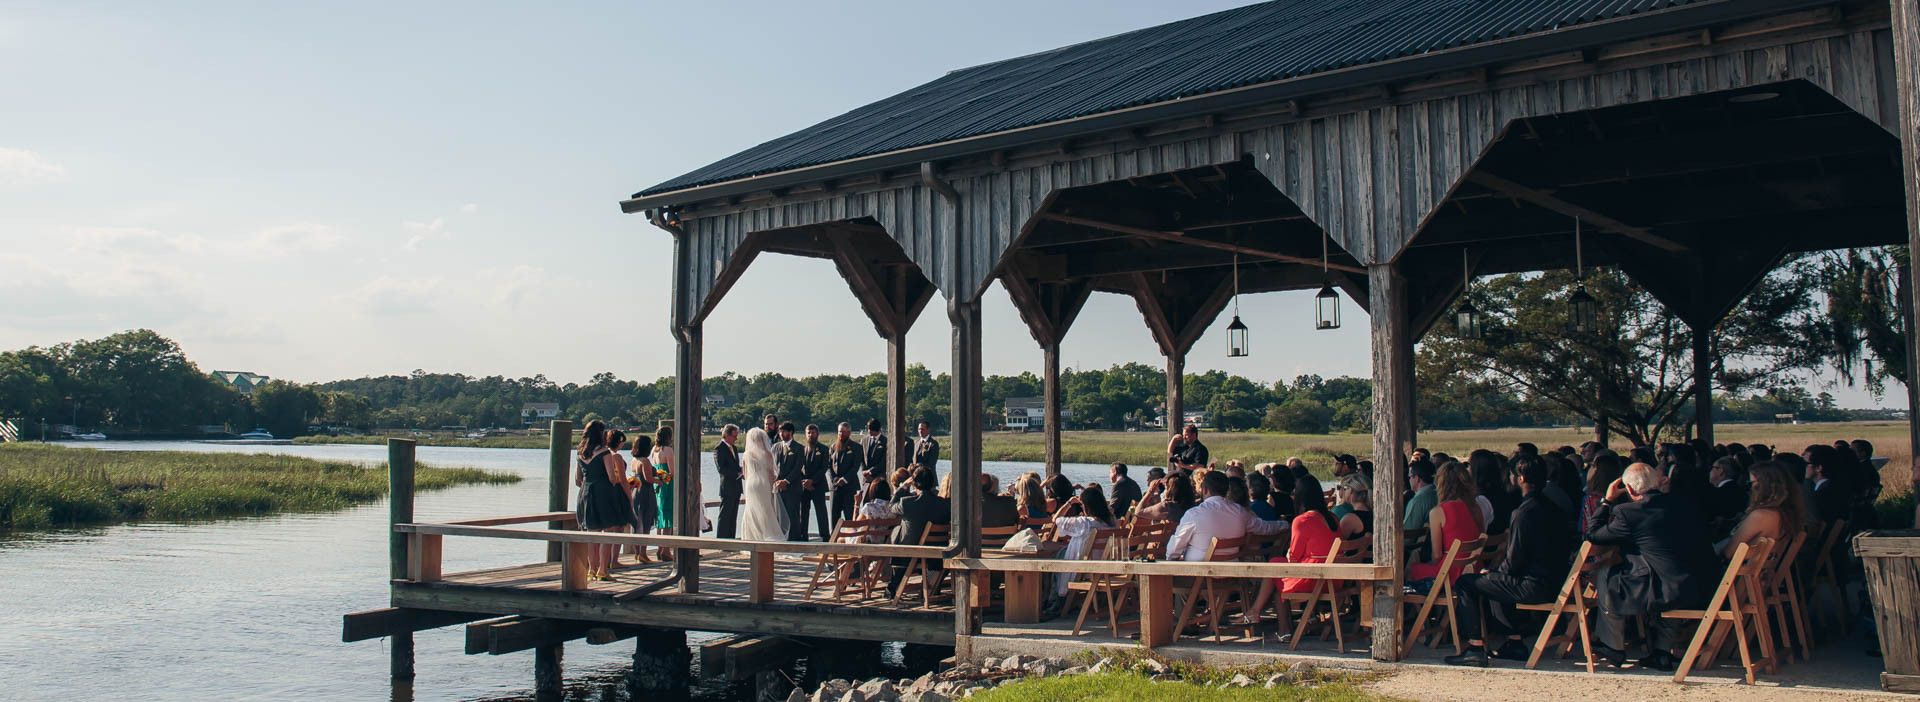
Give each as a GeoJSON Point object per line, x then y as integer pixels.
{"type": "Point", "coordinates": [249, 609]}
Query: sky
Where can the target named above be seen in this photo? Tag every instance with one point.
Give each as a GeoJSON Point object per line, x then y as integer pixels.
{"type": "Point", "coordinates": [331, 190]}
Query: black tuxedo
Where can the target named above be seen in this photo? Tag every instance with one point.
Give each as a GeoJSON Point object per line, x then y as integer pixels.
{"type": "Point", "coordinates": [817, 465]}
{"type": "Point", "coordinates": [875, 449]}
{"type": "Point", "coordinates": [926, 452]}
{"type": "Point", "coordinates": [1669, 564]}
{"type": "Point", "coordinates": [727, 459]}
{"type": "Point", "coordinates": [847, 465]}
{"type": "Point", "coordinates": [1536, 564]}
{"type": "Point", "coordinates": [791, 458]}
{"type": "Point", "coordinates": [1125, 494]}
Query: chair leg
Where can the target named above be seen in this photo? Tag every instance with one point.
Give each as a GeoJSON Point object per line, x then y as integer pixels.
{"type": "Point", "coordinates": [1800, 619]}
{"type": "Point", "coordinates": [1186, 610]}
{"type": "Point", "coordinates": [1586, 640]}
{"type": "Point", "coordinates": [1086, 605]}
{"type": "Point", "coordinates": [1546, 635]}
{"type": "Point", "coordinates": [1306, 615]}
{"type": "Point", "coordinates": [1419, 623]}
{"type": "Point", "coordinates": [1740, 638]}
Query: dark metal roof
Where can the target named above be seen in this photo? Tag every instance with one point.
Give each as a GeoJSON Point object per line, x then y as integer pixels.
{"type": "Point", "coordinates": [1244, 46]}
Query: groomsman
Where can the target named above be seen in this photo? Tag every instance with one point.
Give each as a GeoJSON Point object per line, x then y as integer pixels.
{"type": "Point", "coordinates": [726, 457]}
{"type": "Point", "coordinates": [772, 424]}
{"type": "Point", "coordinates": [848, 459]}
{"type": "Point", "coordinates": [790, 479]}
{"type": "Point", "coordinates": [926, 451]}
{"type": "Point", "coordinates": [819, 463]}
{"type": "Point", "coordinates": [875, 447]}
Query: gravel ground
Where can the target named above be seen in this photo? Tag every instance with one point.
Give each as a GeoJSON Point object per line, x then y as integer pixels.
{"type": "Point", "coordinates": [1472, 685]}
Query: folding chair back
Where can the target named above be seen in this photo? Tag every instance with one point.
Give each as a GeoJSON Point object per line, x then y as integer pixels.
{"type": "Point", "coordinates": [1441, 593]}
{"type": "Point", "coordinates": [931, 576]}
{"type": "Point", "coordinates": [842, 570]}
{"type": "Point", "coordinates": [1733, 606]}
{"type": "Point", "coordinates": [997, 537]}
{"type": "Point", "coordinates": [1824, 572]}
{"type": "Point", "coordinates": [1328, 590]}
{"type": "Point", "coordinates": [1782, 594]}
{"type": "Point", "coordinates": [1574, 600]}
{"type": "Point", "coordinates": [1218, 551]}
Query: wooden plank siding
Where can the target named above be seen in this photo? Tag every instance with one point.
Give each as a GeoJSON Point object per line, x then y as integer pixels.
{"type": "Point", "coordinates": [1370, 176]}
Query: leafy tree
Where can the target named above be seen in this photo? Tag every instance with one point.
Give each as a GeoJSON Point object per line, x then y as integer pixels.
{"type": "Point", "coordinates": [1298, 415]}
{"type": "Point", "coordinates": [1866, 291]}
{"type": "Point", "coordinates": [286, 408]}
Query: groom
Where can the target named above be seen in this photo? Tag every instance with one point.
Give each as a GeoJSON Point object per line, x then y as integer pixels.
{"type": "Point", "coordinates": [726, 457]}
{"type": "Point", "coordinates": [790, 480]}
{"type": "Point", "coordinates": [819, 463]}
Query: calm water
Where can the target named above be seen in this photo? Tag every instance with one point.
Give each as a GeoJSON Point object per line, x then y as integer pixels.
{"type": "Point", "coordinates": [249, 609]}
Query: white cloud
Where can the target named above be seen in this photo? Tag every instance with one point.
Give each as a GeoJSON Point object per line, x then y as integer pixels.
{"type": "Point", "coordinates": [490, 290]}
{"type": "Point", "coordinates": [23, 167]}
{"type": "Point", "coordinates": [470, 208]}
{"type": "Point", "coordinates": [298, 237]}
{"type": "Point", "coordinates": [425, 231]}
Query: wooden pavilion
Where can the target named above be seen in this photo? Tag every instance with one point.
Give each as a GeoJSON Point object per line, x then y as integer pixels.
{"type": "Point", "coordinates": [1366, 144]}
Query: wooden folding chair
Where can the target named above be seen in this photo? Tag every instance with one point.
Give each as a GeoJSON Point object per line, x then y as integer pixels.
{"type": "Point", "coordinates": [1575, 600]}
{"type": "Point", "coordinates": [1105, 545]}
{"type": "Point", "coordinates": [1332, 592]}
{"type": "Point", "coordinates": [1218, 551]}
{"type": "Point", "coordinates": [1146, 540]}
{"type": "Point", "coordinates": [1735, 603]}
{"type": "Point", "coordinates": [1824, 572]}
{"type": "Point", "coordinates": [930, 577]}
{"type": "Point", "coordinates": [1783, 600]}
{"type": "Point", "coordinates": [843, 570]}
{"type": "Point", "coordinates": [1440, 594]}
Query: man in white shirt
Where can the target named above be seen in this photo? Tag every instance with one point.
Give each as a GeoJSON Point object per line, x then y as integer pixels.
{"type": "Point", "coordinates": [1215, 518]}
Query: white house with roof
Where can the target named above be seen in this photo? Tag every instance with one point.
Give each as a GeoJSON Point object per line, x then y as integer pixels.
{"type": "Point", "coordinates": [243, 381]}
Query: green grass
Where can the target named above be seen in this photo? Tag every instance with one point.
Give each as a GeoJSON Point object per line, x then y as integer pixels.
{"type": "Point", "coordinates": [53, 487]}
{"type": "Point", "coordinates": [1134, 687]}
{"type": "Point", "coordinates": [518, 442]}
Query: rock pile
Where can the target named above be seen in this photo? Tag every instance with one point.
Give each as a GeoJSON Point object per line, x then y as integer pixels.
{"type": "Point", "coordinates": [965, 679]}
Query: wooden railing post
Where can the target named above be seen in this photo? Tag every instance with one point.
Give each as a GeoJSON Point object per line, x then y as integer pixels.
{"type": "Point", "coordinates": [573, 565]}
{"type": "Point", "coordinates": [399, 511]}
{"type": "Point", "coordinates": [760, 588]}
{"type": "Point", "coordinates": [559, 473]}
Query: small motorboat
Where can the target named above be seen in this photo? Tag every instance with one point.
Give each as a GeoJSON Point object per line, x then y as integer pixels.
{"type": "Point", "coordinates": [258, 435]}
{"type": "Point", "coordinates": [90, 436]}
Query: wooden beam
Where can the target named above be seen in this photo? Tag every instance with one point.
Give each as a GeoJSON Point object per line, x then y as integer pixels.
{"type": "Point", "coordinates": [1906, 63]}
{"type": "Point", "coordinates": [387, 621]}
{"type": "Point", "coordinates": [520, 633]}
{"type": "Point", "coordinates": [1393, 439]}
{"type": "Point", "coordinates": [911, 628]}
{"type": "Point", "coordinates": [859, 275]}
{"type": "Point", "coordinates": [1546, 200]}
{"type": "Point", "coordinates": [1179, 238]}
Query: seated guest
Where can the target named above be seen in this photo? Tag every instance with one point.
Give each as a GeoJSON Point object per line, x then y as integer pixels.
{"type": "Point", "coordinates": [996, 510]}
{"type": "Point", "coordinates": [1774, 509]}
{"type": "Point", "coordinates": [1125, 491]}
{"type": "Point", "coordinates": [1643, 454]}
{"type": "Point", "coordinates": [1565, 487]}
{"type": "Point", "coordinates": [1156, 473]}
{"type": "Point", "coordinates": [1455, 518]}
{"type": "Point", "coordinates": [1606, 469]}
{"type": "Point", "coordinates": [1355, 491]}
{"type": "Point", "coordinates": [1237, 492]}
{"type": "Point", "coordinates": [1423, 499]}
{"type": "Point", "coordinates": [1345, 463]}
{"type": "Point", "coordinates": [1169, 502]}
{"type": "Point", "coordinates": [1030, 497]}
{"type": "Point", "coordinates": [1366, 469]}
{"type": "Point", "coordinates": [1826, 472]}
{"type": "Point", "coordinates": [917, 510]}
{"type": "Point", "coordinates": [1059, 489]}
{"type": "Point", "coordinates": [1076, 522]}
{"type": "Point", "coordinates": [876, 502]}
{"type": "Point", "coordinates": [1497, 499]}
{"type": "Point", "coordinates": [1667, 564]}
{"type": "Point", "coordinates": [1310, 536]}
{"type": "Point", "coordinates": [1727, 499]}
{"type": "Point", "coordinates": [1762, 452]}
{"type": "Point", "coordinates": [1538, 549]}
{"type": "Point", "coordinates": [1282, 495]}
{"type": "Point", "coordinates": [1235, 468]}
{"type": "Point", "coordinates": [1260, 496]}
{"type": "Point", "coordinates": [902, 481]}
{"type": "Point", "coordinates": [1214, 518]}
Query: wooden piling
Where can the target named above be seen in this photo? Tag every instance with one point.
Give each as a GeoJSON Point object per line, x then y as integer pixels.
{"type": "Point", "coordinates": [1905, 32]}
{"type": "Point", "coordinates": [547, 677]}
{"type": "Point", "coordinates": [1392, 444]}
{"type": "Point", "coordinates": [662, 665]}
{"type": "Point", "coordinates": [399, 511]}
{"type": "Point", "coordinates": [899, 454]}
{"type": "Point", "coordinates": [964, 534]}
{"type": "Point", "coordinates": [1050, 396]}
{"type": "Point", "coordinates": [688, 420]}
{"type": "Point", "coordinates": [559, 475]}
{"type": "Point", "coordinates": [1176, 394]}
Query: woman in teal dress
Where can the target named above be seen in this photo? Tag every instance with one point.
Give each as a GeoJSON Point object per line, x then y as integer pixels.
{"type": "Point", "coordinates": [663, 461]}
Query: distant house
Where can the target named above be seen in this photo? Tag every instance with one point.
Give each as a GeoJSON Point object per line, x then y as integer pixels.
{"type": "Point", "coordinates": [715, 401]}
{"type": "Point", "coordinates": [241, 380]}
{"type": "Point", "coordinates": [1030, 414]}
{"type": "Point", "coordinates": [533, 413]}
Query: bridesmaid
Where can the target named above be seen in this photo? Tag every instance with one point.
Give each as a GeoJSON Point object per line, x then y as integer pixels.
{"type": "Point", "coordinates": [662, 459]}
{"type": "Point", "coordinates": [644, 503]}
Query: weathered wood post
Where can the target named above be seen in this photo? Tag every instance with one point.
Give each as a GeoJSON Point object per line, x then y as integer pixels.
{"type": "Point", "coordinates": [965, 403]}
{"type": "Point", "coordinates": [399, 511]}
{"type": "Point", "coordinates": [1703, 382]}
{"type": "Point", "coordinates": [1392, 443]}
{"type": "Point", "coordinates": [898, 452]}
{"type": "Point", "coordinates": [688, 423]}
{"type": "Point", "coordinates": [1050, 396]}
{"type": "Point", "coordinates": [547, 673]}
{"type": "Point", "coordinates": [1176, 393]}
{"type": "Point", "coordinates": [1906, 66]}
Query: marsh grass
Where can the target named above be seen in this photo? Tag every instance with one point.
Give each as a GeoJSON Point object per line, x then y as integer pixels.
{"type": "Point", "coordinates": [53, 487]}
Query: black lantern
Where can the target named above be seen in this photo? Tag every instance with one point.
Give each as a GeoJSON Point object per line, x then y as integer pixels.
{"type": "Point", "coordinates": [1466, 318]}
{"type": "Point", "coordinates": [1236, 338]}
{"type": "Point", "coordinates": [1326, 307]}
{"type": "Point", "coordinates": [1236, 331]}
{"type": "Point", "coordinates": [1583, 312]}
{"type": "Point", "coordinates": [1326, 304]}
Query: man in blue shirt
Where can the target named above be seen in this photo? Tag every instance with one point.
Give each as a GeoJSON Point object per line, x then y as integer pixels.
{"type": "Point", "coordinates": [1420, 478]}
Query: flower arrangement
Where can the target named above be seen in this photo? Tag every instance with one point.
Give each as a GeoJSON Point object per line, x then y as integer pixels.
{"type": "Point", "coordinates": [662, 476]}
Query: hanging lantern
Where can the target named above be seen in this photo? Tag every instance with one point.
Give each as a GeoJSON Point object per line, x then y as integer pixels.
{"type": "Point", "coordinates": [1466, 318]}
{"type": "Point", "coordinates": [1326, 304]}
{"type": "Point", "coordinates": [1236, 332]}
{"type": "Point", "coordinates": [1236, 338]}
{"type": "Point", "coordinates": [1326, 307]}
{"type": "Point", "coordinates": [1583, 313]}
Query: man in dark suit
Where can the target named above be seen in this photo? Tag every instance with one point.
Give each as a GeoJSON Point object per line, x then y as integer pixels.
{"type": "Point", "coordinates": [1126, 492]}
{"type": "Point", "coordinates": [814, 486]}
{"type": "Point", "coordinates": [1664, 541]}
{"type": "Point", "coordinates": [875, 448]}
{"type": "Point", "coordinates": [848, 460]}
{"type": "Point", "coordinates": [1831, 499]}
{"type": "Point", "coordinates": [1535, 566]}
{"type": "Point", "coordinates": [996, 510]}
{"type": "Point", "coordinates": [790, 480]}
{"type": "Point", "coordinates": [925, 506]}
{"type": "Point", "coordinates": [1727, 499]}
{"type": "Point", "coordinates": [726, 458]}
{"type": "Point", "coordinates": [926, 451]}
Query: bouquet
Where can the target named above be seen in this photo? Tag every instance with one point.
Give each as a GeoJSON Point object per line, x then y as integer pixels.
{"type": "Point", "coordinates": [661, 475]}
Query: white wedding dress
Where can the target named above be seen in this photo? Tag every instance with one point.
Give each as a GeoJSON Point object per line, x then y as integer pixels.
{"type": "Point", "coordinates": [761, 518]}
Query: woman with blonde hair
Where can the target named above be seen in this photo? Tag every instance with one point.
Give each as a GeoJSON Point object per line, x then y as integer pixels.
{"type": "Point", "coordinates": [1355, 491]}
{"type": "Point", "coordinates": [1776, 508]}
{"type": "Point", "coordinates": [1031, 498]}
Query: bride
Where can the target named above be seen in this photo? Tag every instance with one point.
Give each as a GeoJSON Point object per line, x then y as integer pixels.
{"type": "Point", "coordinates": [762, 519]}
